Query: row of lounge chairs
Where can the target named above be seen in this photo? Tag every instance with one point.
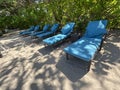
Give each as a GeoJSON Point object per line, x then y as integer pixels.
{"type": "Point", "coordinates": [84, 48]}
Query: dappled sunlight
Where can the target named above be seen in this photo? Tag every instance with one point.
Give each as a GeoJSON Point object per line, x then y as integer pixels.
{"type": "Point", "coordinates": [32, 66]}
{"type": "Point", "coordinates": [29, 60]}
{"type": "Point", "coordinates": [108, 58]}
{"type": "Point", "coordinates": [107, 63]}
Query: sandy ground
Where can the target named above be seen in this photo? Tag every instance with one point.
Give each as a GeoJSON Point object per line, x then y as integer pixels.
{"type": "Point", "coordinates": [28, 65]}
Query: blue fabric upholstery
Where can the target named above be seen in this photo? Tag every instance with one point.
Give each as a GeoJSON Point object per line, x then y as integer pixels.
{"type": "Point", "coordinates": [26, 33]}
{"type": "Point", "coordinates": [66, 30]}
{"type": "Point", "coordinates": [36, 28]}
{"type": "Point", "coordinates": [54, 39]}
{"type": "Point", "coordinates": [28, 30]}
{"type": "Point", "coordinates": [96, 29]}
{"type": "Point", "coordinates": [44, 34]}
{"type": "Point", "coordinates": [36, 33]}
{"type": "Point", "coordinates": [45, 28]}
{"type": "Point", "coordinates": [52, 30]}
{"type": "Point", "coordinates": [31, 30]}
{"type": "Point", "coordinates": [84, 48]}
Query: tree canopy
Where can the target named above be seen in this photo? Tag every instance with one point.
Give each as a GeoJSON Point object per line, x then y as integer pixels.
{"type": "Point", "coordinates": [24, 13]}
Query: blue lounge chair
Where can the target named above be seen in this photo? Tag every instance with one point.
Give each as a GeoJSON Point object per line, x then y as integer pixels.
{"type": "Point", "coordinates": [45, 28]}
{"type": "Point", "coordinates": [31, 30]}
{"type": "Point", "coordinates": [65, 32]}
{"type": "Point", "coordinates": [53, 29]}
{"type": "Point", "coordinates": [28, 30]}
{"type": "Point", "coordinates": [87, 46]}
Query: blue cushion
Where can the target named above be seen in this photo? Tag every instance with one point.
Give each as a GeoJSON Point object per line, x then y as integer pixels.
{"type": "Point", "coordinates": [96, 28]}
{"type": "Point", "coordinates": [31, 28]}
{"type": "Point", "coordinates": [36, 28]}
{"type": "Point", "coordinates": [105, 22]}
{"type": "Point", "coordinates": [36, 33]}
{"type": "Point", "coordinates": [54, 39]}
{"type": "Point", "coordinates": [28, 30]}
{"type": "Point", "coordinates": [45, 28]}
{"type": "Point", "coordinates": [25, 33]}
{"type": "Point", "coordinates": [44, 34]}
{"type": "Point", "coordinates": [67, 28]}
{"type": "Point", "coordinates": [84, 48]}
{"type": "Point", "coordinates": [54, 27]}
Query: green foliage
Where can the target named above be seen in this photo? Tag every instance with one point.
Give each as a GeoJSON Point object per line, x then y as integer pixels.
{"type": "Point", "coordinates": [16, 14]}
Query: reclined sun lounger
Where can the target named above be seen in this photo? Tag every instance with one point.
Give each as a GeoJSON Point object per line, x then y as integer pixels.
{"type": "Point", "coordinates": [30, 30]}
{"type": "Point", "coordinates": [65, 32]}
{"type": "Point", "coordinates": [87, 46]}
{"type": "Point", "coordinates": [52, 31]}
{"type": "Point", "coordinates": [45, 28]}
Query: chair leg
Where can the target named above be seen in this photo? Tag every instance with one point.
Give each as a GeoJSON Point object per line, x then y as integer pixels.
{"type": "Point", "coordinates": [46, 45]}
{"type": "Point", "coordinates": [67, 56]}
{"type": "Point", "coordinates": [89, 64]}
{"type": "Point", "coordinates": [101, 45]}
{"type": "Point", "coordinates": [0, 55]}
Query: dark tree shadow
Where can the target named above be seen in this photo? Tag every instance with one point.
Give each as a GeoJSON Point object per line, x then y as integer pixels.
{"type": "Point", "coordinates": [38, 65]}
{"type": "Point", "coordinates": [34, 86]}
{"type": "Point", "coordinates": [110, 57]}
{"type": "Point", "coordinates": [7, 69]}
{"type": "Point", "coordinates": [114, 36]}
{"type": "Point", "coordinates": [51, 69]}
{"type": "Point", "coordinates": [34, 56]}
{"type": "Point", "coordinates": [74, 69]}
{"type": "Point", "coordinates": [17, 42]}
{"type": "Point", "coordinates": [46, 50]}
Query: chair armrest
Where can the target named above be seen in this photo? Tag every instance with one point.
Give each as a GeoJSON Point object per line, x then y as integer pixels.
{"type": "Point", "coordinates": [105, 35]}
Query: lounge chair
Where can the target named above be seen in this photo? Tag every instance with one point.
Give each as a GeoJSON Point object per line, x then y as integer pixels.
{"type": "Point", "coordinates": [86, 47]}
{"type": "Point", "coordinates": [30, 30]}
{"type": "Point", "coordinates": [45, 28]}
{"type": "Point", "coordinates": [65, 32]}
{"type": "Point", "coordinates": [52, 31]}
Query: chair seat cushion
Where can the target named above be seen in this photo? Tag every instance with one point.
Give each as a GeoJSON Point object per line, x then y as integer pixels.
{"type": "Point", "coordinates": [25, 32]}
{"type": "Point", "coordinates": [36, 33]}
{"type": "Point", "coordinates": [84, 48]}
{"type": "Point", "coordinates": [44, 34]}
{"type": "Point", "coordinates": [54, 39]}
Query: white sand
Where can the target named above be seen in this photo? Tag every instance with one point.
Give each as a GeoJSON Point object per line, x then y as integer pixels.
{"type": "Point", "coordinates": [28, 65]}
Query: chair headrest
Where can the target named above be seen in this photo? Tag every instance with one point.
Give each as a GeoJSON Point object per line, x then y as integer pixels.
{"type": "Point", "coordinates": [54, 27]}
{"type": "Point", "coordinates": [45, 28]}
{"type": "Point", "coordinates": [96, 28]}
{"type": "Point", "coordinates": [68, 28]}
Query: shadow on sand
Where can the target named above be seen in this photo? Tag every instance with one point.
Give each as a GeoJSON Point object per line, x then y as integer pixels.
{"type": "Point", "coordinates": [45, 74]}
{"type": "Point", "coordinates": [74, 69]}
{"type": "Point", "coordinates": [110, 56]}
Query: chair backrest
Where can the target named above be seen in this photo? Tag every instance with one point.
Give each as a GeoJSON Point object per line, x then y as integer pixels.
{"type": "Point", "coordinates": [31, 28]}
{"type": "Point", "coordinates": [96, 29]}
{"type": "Point", "coordinates": [68, 28]}
{"type": "Point", "coordinates": [37, 28]}
{"type": "Point", "coordinates": [46, 27]}
{"type": "Point", "coordinates": [54, 28]}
